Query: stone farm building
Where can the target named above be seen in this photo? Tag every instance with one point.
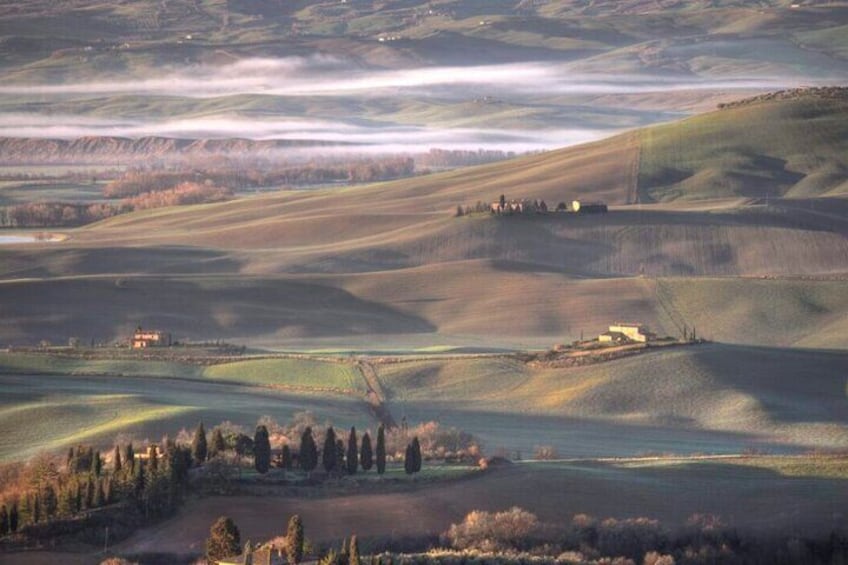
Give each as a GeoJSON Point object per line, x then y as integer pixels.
{"type": "Point", "coordinates": [143, 339]}
{"type": "Point", "coordinates": [622, 332]}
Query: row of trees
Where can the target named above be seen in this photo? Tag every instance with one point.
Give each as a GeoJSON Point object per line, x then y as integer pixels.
{"type": "Point", "coordinates": [242, 176]}
{"type": "Point", "coordinates": [336, 456]}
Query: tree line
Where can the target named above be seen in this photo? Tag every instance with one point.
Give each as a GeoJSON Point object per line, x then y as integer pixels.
{"type": "Point", "coordinates": [336, 456]}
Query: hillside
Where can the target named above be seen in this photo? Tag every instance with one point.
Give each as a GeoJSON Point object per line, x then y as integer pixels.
{"type": "Point", "coordinates": [708, 398]}
{"type": "Point", "coordinates": [391, 260]}
{"type": "Point", "coordinates": [765, 147]}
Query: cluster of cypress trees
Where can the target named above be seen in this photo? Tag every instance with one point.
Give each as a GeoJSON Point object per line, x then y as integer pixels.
{"type": "Point", "coordinates": [154, 485]}
{"type": "Point", "coordinates": [347, 555]}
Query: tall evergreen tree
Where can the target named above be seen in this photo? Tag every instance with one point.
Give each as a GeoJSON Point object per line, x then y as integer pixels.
{"type": "Point", "coordinates": [4, 520]}
{"type": "Point", "coordinates": [352, 459]}
{"type": "Point", "coordinates": [139, 479]}
{"type": "Point", "coordinates": [99, 495]}
{"type": "Point", "coordinates": [129, 459]}
{"type": "Point", "coordinates": [25, 510]}
{"type": "Point", "coordinates": [294, 540]}
{"type": "Point", "coordinates": [340, 456]}
{"type": "Point", "coordinates": [353, 551]}
{"type": "Point", "coordinates": [67, 504]}
{"type": "Point", "coordinates": [381, 450]}
{"type": "Point", "coordinates": [96, 464]}
{"type": "Point", "coordinates": [261, 450]}
{"type": "Point", "coordinates": [248, 553]}
{"type": "Point", "coordinates": [409, 460]}
{"type": "Point", "coordinates": [36, 508]}
{"type": "Point", "coordinates": [79, 495]}
{"type": "Point", "coordinates": [108, 493]}
{"type": "Point", "coordinates": [14, 517]}
{"type": "Point", "coordinates": [366, 456]}
{"type": "Point", "coordinates": [308, 451]}
{"type": "Point", "coordinates": [224, 540]}
{"type": "Point", "coordinates": [89, 493]}
{"type": "Point", "coordinates": [416, 455]}
{"type": "Point", "coordinates": [286, 458]}
{"type": "Point", "coordinates": [153, 457]}
{"type": "Point", "coordinates": [49, 501]}
{"type": "Point", "coordinates": [218, 446]}
{"type": "Point", "coordinates": [116, 461]}
{"type": "Point", "coordinates": [198, 445]}
{"type": "Point", "coordinates": [328, 455]}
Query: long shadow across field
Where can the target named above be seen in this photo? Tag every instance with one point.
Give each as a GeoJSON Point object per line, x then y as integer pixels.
{"type": "Point", "coordinates": [744, 497]}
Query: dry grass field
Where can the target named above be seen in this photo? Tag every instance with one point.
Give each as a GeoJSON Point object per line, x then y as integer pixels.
{"type": "Point", "coordinates": [555, 491]}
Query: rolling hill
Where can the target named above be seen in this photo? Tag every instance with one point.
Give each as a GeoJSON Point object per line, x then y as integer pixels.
{"type": "Point", "coordinates": [390, 258]}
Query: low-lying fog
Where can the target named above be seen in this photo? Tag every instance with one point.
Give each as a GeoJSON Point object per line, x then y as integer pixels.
{"type": "Point", "coordinates": [529, 89]}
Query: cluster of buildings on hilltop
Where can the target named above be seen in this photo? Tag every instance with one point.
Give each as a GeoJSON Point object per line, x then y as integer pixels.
{"type": "Point", "coordinates": [525, 206]}
{"type": "Point", "coordinates": [142, 339]}
{"type": "Point", "coordinates": [622, 332]}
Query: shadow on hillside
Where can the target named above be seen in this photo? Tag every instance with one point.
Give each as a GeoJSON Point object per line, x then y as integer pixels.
{"type": "Point", "coordinates": [570, 436]}
{"type": "Point", "coordinates": [64, 260]}
{"type": "Point", "coordinates": [792, 386]}
{"type": "Point", "coordinates": [205, 308]}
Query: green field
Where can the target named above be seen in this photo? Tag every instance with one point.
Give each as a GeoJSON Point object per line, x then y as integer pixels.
{"type": "Point", "coordinates": [51, 413]}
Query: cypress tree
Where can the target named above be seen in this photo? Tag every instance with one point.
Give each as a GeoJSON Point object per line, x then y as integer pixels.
{"type": "Point", "coordinates": [70, 460]}
{"type": "Point", "coordinates": [248, 553]}
{"type": "Point", "coordinates": [261, 450]}
{"type": "Point", "coordinates": [218, 446]}
{"type": "Point", "coordinates": [49, 502]}
{"type": "Point", "coordinates": [116, 463]}
{"type": "Point", "coordinates": [4, 521]}
{"type": "Point", "coordinates": [99, 496]}
{"type": "Point", "coordinates": [352, 459]}
{"type": "Point", "coordinates": [138, 482]}
{"type": "Point", "coordinates": [381, 450]}
{"type": "Point", "coordinates": [78, 496]}
{"type": "Point", "coordinates": [308, 451]}
{"type": "Point", "coordinates": [108, 494]}
{"type": "Point", "coordinates": [198, 445]}
{"type": "Point", "coordinates": [67, 502]}
{"type": "Point", "coordinates": [96, 464]}
{"type": "Point", "coordinates": [416, 455]}
{"type": "Point", "coordinates": [36, 508]}
{"type": "Point", "coordinates": [340, 456]}
{"type": "Point", "coordinates": [294, 540]}
{"type": "Point", "coordinates": [25, 510]}
{"type": "Point", "coordinates": [353, 551]}
{"type": "Point", "coordinates": [409, 460]}
{"type": "Point", "coordinates": [286, 458]}
{"type": "Point", "coordinates": [129, 459]}
{"type": "Point", "coordinates": [366, 457]}
{"type": "Point", "coordinates": [328, 456]}
{"type": "Point", "coordinates": [13, 517]}
{"type": "Point", "coordinates": [224, 540]}
{"type": "Point", "coordinates": [153, 458]}
{"type": "Point", "coordinates": [89, 494]}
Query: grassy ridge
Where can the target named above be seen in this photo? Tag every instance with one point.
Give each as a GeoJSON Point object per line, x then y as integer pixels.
{"type": "Point", "coordinates": [713, 399]}
{"type": "Point", "coordinates": [788, 148]}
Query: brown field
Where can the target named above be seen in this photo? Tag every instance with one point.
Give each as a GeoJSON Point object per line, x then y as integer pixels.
{"type": "Point", "coordinates": [752, 494]}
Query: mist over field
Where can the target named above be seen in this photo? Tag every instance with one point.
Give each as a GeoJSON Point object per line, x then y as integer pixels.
{"type": "Point", "coordinates": [323, 76]}
{"type": "Point", "coordinates": [372, 138]}
{"type": "Point", "coordinates": [513, 107]}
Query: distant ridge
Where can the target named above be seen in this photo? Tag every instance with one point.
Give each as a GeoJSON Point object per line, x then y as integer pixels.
{"type": "Point", "coordinates": [99, 149]}
{"type": "Point", "coordinates": [822, 92]}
